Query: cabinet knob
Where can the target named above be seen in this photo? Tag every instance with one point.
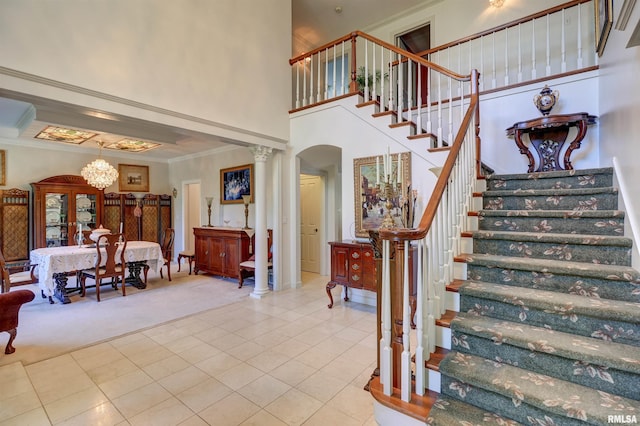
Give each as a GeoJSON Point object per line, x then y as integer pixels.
{"type": "Point", "coordinates": [355, 255]}
{"type": "Point", "coordinates": [355, 266]}
{"type": "Point", "coordinates": [355, 277]}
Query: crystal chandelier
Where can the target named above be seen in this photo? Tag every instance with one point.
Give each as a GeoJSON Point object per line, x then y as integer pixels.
{"type": "Point", "coordinates": [99, 173]}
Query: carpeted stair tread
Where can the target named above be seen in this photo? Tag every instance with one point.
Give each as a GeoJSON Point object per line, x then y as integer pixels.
{"type": "Point", "coordinates": [596, 222]}
{"type": "Point", "coordinates": [558, 238]}
{"type": "Point", "coordinates": [448, 411]}
{"type": "Point", "coordinates": [551, 301]}
{"type": "Point", "coordinates": [556, 267]}
{"type": "Point", "coordinates": [561, 192]}
{"type": "Point", "coordinates": [593, 178]}
{"type": "Point", "coordinates": [553, 174]}
{"type": "Point", "coordinates": [609, 366]}
{"type": "Point", "coordinates": [609, 354]}
{"type": "Point", "coordinates": [528, 396]}
{"type": "Point", "coordinates": [606, 319]}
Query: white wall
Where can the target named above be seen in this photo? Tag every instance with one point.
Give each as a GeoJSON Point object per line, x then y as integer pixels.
{"type": "Point", "coordinates": [225, 61]}
{"type": "Point", "coordinates": [620, 109]}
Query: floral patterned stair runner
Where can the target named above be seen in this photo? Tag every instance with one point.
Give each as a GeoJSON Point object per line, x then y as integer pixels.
{"type": "Point", "coordinates": [549, 329]}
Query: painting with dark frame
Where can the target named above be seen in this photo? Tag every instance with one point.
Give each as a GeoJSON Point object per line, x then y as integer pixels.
{"type": "Point", "coordinates": [369, 208]}
{"type": "Point", "coordinates": [236, 182]}
{"type": "Point", "coordinates": [133, 178]}
{"type": "Point", "coordinates": [604, 22]}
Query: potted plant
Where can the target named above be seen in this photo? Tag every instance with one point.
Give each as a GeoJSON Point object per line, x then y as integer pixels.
{"type": "Point", "coordinates": [367, 80]}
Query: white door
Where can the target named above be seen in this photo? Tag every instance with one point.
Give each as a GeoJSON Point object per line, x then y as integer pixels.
{"type": "Point", "coordinates": [311, 204]}
{"type": "Point", "coordinates": [191, 213]}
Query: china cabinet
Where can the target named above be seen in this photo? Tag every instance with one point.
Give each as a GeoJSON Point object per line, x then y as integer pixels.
{"type": "Point", "coordinates": [61, 205]}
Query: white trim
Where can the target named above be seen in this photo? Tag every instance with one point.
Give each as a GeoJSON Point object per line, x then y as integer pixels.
{"type": "Point", "coordinates": [630, 215]}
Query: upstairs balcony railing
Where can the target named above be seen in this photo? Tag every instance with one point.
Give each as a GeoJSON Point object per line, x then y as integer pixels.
{"type": "Point", "coordinates": [554, 42]}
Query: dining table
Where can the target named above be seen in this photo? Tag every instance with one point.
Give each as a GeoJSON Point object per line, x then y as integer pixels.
{"type": "Point", "coordinates": [56, 264]}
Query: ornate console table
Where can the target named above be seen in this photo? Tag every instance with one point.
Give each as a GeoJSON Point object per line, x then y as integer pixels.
{"type": "Point", "coordinates": [547, 135]}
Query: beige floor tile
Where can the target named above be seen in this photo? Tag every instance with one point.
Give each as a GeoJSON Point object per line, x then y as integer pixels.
{"type": "Point", "coordinates": [125, 383]}
{"type": "Point", "coordinates": [148, 357]}
{"type": "Point", "coordinates": [239, 375]}
{"type": "Point", "coordinates": [291, 347]}
{"type": "Point", "coordinates": [111, 371]}
{"type": "Point", "coordinates": [35, 417]}
{"type": "Point", "coordinates": [271, 339]}
{"type": "Point", "coordinates": [327, 416]}
{"type": "Point", "coordinates": [103, 415]}
{"type": "Point", "coordinates": [321, 386]}
{"type": "Point", "coordinates": [353, 401]}
{"type": "Point", "coordinates": [218, 364]}
{"type": "Point", "coordinates": [294, 407]}
{"type": "Point", "coordinates": [182, 344]}
{"type": "Point", "coordinates": [316, 357]}
{"type": "Point", "coordinates": [53, 385]}
{"type": "Point", "coordinates": [211, 334]}
{"type": "Point", "coordinates": [230, 411]}
{"type": "Point", "coordinates": [184, 379]}
{"type": "Point", "coordinates": [169, 412]}
{"type": "Point", "coordinates": [264, 390]}
{"type": "Point", "coordinates": [198, 353]}
{"type": "Point", "coordinates": [246, 350]}
{"type": "Point", "coordinates": [135, 344]}
{"type": "Point", "coordinates": [313, 336]}
{"type": "Point", "coordinates": [204, 394]}
{"type": "Point", "coordinates": [19, 404]}
{"type": "Point", "coordinates": [268, 360]}
{"type": "Point", "coordinates": [141, 399]}
{"type": "Point", "coordinates": [342, 369]}
{"type": "Point", "coordinates": [166, 367]}
{"type": "Point", "coordinates": [263, 418]}
{"type": "Point", "coordinates": [292, 372]}
{"type": "Point", "coordinates": [72, 405]}
{"type": "Point", "coordinates": [194, 421]}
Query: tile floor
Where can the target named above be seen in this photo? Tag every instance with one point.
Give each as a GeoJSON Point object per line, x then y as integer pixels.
{"type": "Point", "coordinates": [282, 360]}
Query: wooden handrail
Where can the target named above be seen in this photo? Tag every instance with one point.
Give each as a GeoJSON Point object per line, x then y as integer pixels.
{"type": "Point", "coordinates": [504, 26]}
{"type": "Point", "coordinates": [402, 234]}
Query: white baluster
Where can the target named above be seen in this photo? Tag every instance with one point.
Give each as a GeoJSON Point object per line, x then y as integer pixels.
{"type": "Point", "coordinates": [386, 351]}
{"type": "Point", "coordinates": [326, 75]}
{"type": "Point", "coordinates": [506, 56]}
{"type": "Point", "coordinates": [548, 69]}
{"type": "Point", "coordinates": [399, 116]}
{"type": "Point", "coordinates": [493, 56]}
{"type": "Point", "coordinates": [419, 130]}
{"type": "Point", "coordinates": [366, 70]}
{"type": "Point", "coordinates": [421, 342]}
{"type": "Point", "coordinates": [579, 65]}
{"type": "Point", "coordinates": [318, 93]}
{"type": "Point", "coordinates": [298, 83]}
{"type": "Point", "coordinates": [405, 358]}
{"type": "Point", "coordinates": [563, 63]}
{"type": "Point", "coordinates": [519, 53]}
{"type": "Point", "coordinates": [533, 49]}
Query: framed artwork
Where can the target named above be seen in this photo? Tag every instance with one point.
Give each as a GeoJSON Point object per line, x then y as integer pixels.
{"type": "Point", "coordinates": [370, 209]}
{"type": "Point", "coordinates": [236, 182]}
{"type": "Point", "coordinates": [604, 22]}
{"type": "Point", "coordinates": [132, 178]}
{"type": "Point", "coordinates": [3, 167]}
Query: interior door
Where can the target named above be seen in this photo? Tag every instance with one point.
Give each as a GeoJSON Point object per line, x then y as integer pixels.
{"type": "Point", "coordinates": [310, 220]}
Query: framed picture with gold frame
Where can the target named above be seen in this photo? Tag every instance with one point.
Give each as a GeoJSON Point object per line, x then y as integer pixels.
{"type": "Point", "coordinates": [3, 167]}
{"type": "Point", "coordinates": [133, 178]}
{"type": "Point", "coordinates": [370, 209]}
{"type": "Point", "coordinates": [236, 182]}
{"type": "Point", "coordinates": [604, 22]}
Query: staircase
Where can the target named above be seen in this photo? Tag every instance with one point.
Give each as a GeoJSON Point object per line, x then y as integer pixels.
{"type": "Point", "coordinates": [548, 331]}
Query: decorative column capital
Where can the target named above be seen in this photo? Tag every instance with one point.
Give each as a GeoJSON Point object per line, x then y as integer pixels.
{"type": "Point", "coordinates": [261, 153]}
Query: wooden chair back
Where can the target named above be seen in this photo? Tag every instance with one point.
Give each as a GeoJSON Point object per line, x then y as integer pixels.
{"type": "Point", "coordinates": [114, 264]}
{"type": "Point", "coordinates": [168, 236]}
{"type": "Point", "coordinates": [85, 237]}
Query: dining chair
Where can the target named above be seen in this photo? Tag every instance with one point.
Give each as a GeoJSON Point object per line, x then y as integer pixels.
{"type": "Point", "coordinates": [17, 273]}
{"type": "Point", "coordinates": [247, 268]}
{"type": "Point", "coordinates": [10, 304]}
{"type": "Point", "coordinates": [85, 237]}
{"type": "Point", "coordinates": [167, 250]}
{"type": "Point", "coordinates": [110, 263]}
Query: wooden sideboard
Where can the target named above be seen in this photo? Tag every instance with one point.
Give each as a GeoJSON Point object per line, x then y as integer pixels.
{"type": "Point", "coordinates": [219, 251]}
{"type": "Point", "coordinates": [352, 265]}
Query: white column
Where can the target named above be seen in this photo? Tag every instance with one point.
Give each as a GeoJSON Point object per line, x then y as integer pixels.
{"type": "Point", "coordinates": [260, 154]}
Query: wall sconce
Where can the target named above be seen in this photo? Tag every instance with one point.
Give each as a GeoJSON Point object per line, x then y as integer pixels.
{"type": "Point", "coordinates": [209, 201]}
{"type": "Point", "coordinates": [496, 3]}
{"type": "Point", "coordinates": [247, 200]}
{"type": "Point", "coordinates": [175, 193]}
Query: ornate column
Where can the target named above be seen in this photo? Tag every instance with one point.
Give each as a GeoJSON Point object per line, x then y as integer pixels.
{"type": "Point", "coordinates": [261, 154]}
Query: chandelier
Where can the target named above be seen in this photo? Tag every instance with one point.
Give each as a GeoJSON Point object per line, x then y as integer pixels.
{"type": "Point", "coordinates": [99, 173]}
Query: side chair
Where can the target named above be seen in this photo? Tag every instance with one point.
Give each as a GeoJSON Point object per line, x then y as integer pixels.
{"type": "Point", "coordinates": [17, 273]}
{"type": "Point", "coordinates": [10, 304]}
{"type": "Point", "coordinates": [167, 250]}
{"type": "Point", "coordinates": [109, 264]}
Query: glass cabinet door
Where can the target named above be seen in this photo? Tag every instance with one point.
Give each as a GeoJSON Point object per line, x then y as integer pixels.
{"type": "Point", "coordinates": [57, 219]}
{"type": "Point", "coordinates": [86, 211]}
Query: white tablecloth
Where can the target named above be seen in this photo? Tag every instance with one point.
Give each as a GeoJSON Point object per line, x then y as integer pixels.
{"type": "Point", "coordinates": [53, 260]}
